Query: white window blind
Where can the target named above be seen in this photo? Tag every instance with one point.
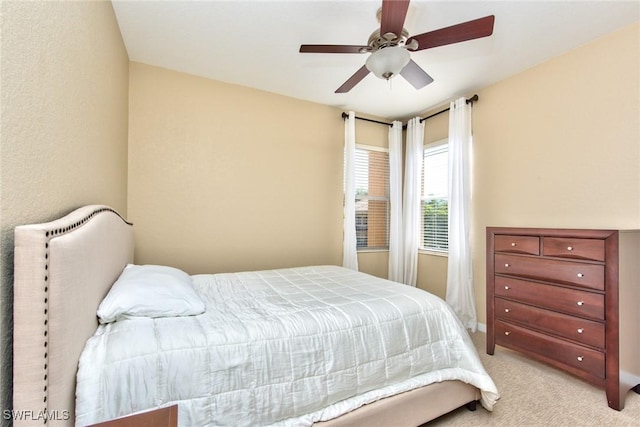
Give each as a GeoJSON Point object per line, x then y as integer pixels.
{"type": "Point", "coordinates": [372, 197]}
{"type": "Point", "coordinates": [435, 198]}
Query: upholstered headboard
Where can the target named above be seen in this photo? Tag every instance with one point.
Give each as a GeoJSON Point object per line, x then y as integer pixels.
{"type": "Point", "coordinates": [63, 269]}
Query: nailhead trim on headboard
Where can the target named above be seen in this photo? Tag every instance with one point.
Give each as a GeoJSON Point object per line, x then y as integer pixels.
{"type": "Point", "coordinates": [59, 231]}
{"type": "Point", "coordinates": [50, 234]}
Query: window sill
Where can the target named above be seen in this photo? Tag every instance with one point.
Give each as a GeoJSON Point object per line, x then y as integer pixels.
{"type": "Point", "coordinates": [360, 251]}
{"type": "Point", "coordinates": [433, 253]}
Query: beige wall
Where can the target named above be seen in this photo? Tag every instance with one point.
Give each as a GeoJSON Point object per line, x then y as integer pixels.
{"type": "Point", "coordinates": [226, 178]}
{"type": "Point", "coordinates": [63, 140]}
{"type": "Point", "coordinates": [558, 146]}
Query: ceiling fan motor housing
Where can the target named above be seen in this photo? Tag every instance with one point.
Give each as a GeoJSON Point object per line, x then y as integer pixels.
{"type": "Point", "coordinates": [377, 41]}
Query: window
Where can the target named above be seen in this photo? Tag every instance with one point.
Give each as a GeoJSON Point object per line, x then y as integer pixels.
{"type": "Point", "coordinates": [372, 197]}
{"type": "Point", "coordinates": [435, 198]}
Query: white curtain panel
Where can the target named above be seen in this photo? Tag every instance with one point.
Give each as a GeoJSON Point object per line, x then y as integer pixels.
{"type": "Point", "coordinates": [349, 244]}
{"type": "Point", "coordinates": [411, 201]}
{"type": "Point", "coordinates": [396, 254]}
{"type": "Point", "coordinates": [460, 294]}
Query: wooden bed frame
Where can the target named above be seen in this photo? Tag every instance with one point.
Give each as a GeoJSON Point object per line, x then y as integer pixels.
{"type": "Point", "coordinates": [64, 268]}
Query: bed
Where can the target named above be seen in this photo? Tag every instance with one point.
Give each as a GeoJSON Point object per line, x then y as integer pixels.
{"type": "Point", "coordinates": [65, 268]}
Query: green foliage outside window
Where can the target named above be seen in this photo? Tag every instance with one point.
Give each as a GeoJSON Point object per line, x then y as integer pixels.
{"type": "Point", "coordinates": [435, 223]}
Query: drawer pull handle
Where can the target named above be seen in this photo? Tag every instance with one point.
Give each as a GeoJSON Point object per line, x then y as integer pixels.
{"type": "Point", "coordinates": [580, 358]}
{"type": "Point", "coordinates": [506, 288]}
{"type": "Point", "coordinates": [569, 248]}
{"type": "Point", "coordinates": [507, 332]}
{"type": "Point", "coordinates": [513, 244]}
{"type": "Point", "coordinates": [507, 265]}
{"type": "Point", "coordinates": [580, 330]}
{"type": "Point", "coordinates": [580, 303]}
{"type": "Point", "coordinates": [507, 310]}
{"type": "Point", "coordinates": [580, 275]}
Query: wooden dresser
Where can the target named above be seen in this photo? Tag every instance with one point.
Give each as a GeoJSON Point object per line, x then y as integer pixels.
{"type": "Point", "coordinates": [569, 298]}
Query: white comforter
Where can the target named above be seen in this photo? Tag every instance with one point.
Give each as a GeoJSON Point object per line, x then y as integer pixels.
{"type": "Point", "coordinates": [283, 347]}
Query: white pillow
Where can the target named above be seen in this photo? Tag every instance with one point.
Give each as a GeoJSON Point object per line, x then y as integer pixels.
{"type": "Point", "coordinates": [150, 291]}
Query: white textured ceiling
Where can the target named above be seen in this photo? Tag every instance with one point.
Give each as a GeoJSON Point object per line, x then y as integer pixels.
{"type": "Point", "coordinates": [255, 44]}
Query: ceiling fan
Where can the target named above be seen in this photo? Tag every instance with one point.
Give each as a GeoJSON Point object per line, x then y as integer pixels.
{"type": "Point", "coordinates": [389, 46]}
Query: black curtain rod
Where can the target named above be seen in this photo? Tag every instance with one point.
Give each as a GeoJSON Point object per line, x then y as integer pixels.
{"type": "Point", "coordinates": [471, 100]}
{"type": "Point", "coordinates": [345, 115]}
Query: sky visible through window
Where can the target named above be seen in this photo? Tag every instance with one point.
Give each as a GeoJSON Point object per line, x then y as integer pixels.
{"type": "Point", "coordinates": [436, 165]}
{"type": "Point", "coordinates": [362, 172]}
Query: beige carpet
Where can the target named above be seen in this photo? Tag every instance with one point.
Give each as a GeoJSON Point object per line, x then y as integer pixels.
{"type": "Point", "coordinates": [534, 394]}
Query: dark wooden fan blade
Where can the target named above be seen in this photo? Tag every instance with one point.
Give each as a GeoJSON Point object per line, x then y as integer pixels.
{"type": "Point", "coordinates": [353, 80]}
{"type": "Point", "coordinates": [416, 75]}
{"type": "Point", "coordinates": [469, 30]}
{"type": "Point", "coordinates": [331, 48]}
{"type": "Point", "coordinates": [393, 15]}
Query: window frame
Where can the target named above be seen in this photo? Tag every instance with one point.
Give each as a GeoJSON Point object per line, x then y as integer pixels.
{"type": "Point", "coordinates": [421, 248]}
{"type": "Point", "coordinates": [387, 199]}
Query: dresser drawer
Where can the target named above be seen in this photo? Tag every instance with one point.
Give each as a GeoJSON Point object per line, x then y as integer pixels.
{"type": "Point", "coordinates": [581, 330]}
{"type": "Point", "coordinates": [517, 244]}
{"type": "Point", "coordinates": [569, 301]}
{"type": "Point", "coordinates": [579, 357]}
{"type": "Point", "coordinates": [566, 247]}
{"type": "Point", "coordinates": [568, 272]}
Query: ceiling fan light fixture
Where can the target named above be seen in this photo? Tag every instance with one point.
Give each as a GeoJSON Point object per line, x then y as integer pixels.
{"type": "Point", "coordinates": [388, 62]}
